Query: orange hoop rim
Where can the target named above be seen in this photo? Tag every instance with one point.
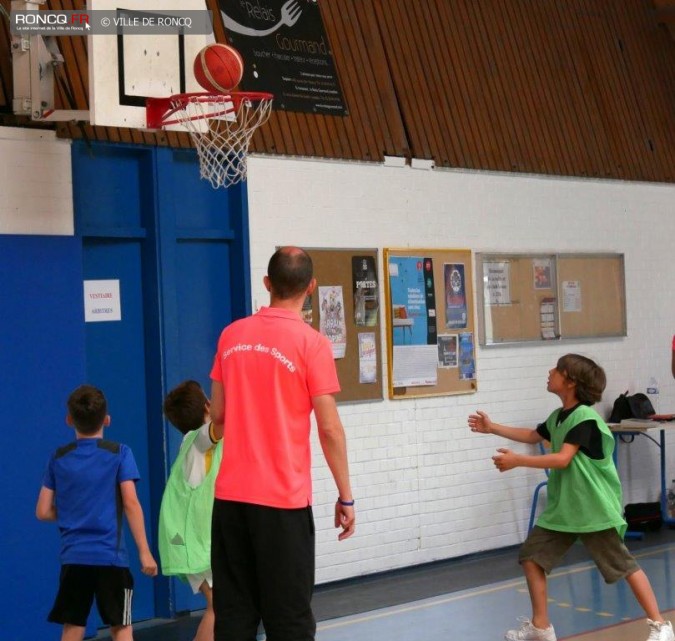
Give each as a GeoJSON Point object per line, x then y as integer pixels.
{"type": "Point", "coordinates": [159, 111]}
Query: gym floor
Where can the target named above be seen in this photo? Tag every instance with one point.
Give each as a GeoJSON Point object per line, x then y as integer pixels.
{"type": "Point", "coordinates": [478, 597]}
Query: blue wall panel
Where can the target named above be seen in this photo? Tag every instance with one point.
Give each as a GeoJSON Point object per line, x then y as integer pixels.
{"type": "Point", "coordinates": [42, 361]}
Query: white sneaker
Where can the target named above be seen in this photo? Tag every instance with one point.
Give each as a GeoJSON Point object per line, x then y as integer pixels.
{"type": "Point", "coordinates": [528, 632]}
{"type": "Point", "coordinates": [660, 631]}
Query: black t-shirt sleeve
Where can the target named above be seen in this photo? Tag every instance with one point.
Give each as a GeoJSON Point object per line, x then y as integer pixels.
{"type": "Point", "coordinates": [542, 430]}
{"type": "Point", "coordinates": [588, 437]}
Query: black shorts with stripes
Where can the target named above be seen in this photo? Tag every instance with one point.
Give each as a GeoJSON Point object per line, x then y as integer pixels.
{"type": "Point", "coordinates": [112, 586]}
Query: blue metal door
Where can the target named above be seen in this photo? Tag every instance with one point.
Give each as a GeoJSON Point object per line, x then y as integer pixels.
{"type": "Point", "coordinates": [204, 262]}
{"type": "Point", "coordinates": [113, 213]}
{"type": "Point", "coordinates": [179, 250]}
{"type": "Point", "coordinates": [115, 362]}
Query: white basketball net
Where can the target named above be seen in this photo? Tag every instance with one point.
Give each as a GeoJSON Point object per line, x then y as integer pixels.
{"type": "Point", "coordinates": [221, 129]}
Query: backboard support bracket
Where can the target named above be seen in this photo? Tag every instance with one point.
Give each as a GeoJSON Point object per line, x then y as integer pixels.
{"type": "Point", "coordinates": [34, 60]}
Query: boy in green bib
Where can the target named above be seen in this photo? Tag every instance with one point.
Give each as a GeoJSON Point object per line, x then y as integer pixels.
{"type": "Point", "coordinates": [185, 514]}
{"type": "Point", "coordinates": [583, 496]}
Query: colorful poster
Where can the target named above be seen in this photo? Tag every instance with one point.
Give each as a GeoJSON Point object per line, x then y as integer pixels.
{"type": "Point", "coordinates": [447, 350]}
{"type": "Point", "coordinates": [409, 309]}
{"type": "Point", "coordinates": [332, 318]}
{"type": "Point", "coordinates": [430, 300]}
{"type": "Point", "coordinates": [367, 358]}
{"type": "Point", "coordinates": [455, 296]}
{"type": "Point", "coordinates": [366, 294]}
{"type": "Point", "coordinates": [467, 364]}
{"type": "Point", "coordinates": [542, 273]}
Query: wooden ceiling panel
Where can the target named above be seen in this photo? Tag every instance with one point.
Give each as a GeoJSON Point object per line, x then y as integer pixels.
{"type": "Point", "coordinates": [580, 88]}
{"type": "Point", "coordinates": [364, 134]}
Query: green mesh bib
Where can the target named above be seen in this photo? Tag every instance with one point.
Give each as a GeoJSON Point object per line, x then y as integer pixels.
{"type": "Point", "coordinates": [585, 496]}
{"type": "Point", "coordinates": [184, 535]}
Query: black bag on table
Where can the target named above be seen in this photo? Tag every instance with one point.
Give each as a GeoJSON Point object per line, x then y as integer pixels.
{"type": "Point", "coordinates": [633, 406]}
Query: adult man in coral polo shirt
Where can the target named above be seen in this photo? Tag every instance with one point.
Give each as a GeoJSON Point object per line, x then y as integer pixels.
{"type": "Point", "coordinates": [270, 371]}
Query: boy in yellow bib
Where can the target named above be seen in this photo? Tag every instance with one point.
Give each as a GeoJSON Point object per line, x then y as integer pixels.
{"type": "Point", "coordinates": [584, 496]}
{"type": "Point", "coordinates": [185, 514]}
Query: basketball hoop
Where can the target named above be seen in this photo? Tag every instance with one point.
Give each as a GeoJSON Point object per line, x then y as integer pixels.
{"type": "Point", "coordinates": [220, 125]}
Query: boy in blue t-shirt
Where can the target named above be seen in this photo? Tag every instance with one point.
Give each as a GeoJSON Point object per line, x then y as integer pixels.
{"type": "Point", "coordinates": [88, 486]}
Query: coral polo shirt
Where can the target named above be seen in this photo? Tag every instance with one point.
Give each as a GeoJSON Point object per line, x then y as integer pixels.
{"type": "Point", "coordinates": [270, 364]}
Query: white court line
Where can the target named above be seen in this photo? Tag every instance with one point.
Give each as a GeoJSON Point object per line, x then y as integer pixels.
{"type": "Point", "coordinates": [465, 594]}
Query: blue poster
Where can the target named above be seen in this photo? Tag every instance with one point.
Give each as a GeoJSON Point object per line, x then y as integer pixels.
{"type": "Point", "coordinates": [455, 296]}
{"type": "Point", "coordinates": [467, 364]}
{"type": "Point", "coordinates": [409, 309]}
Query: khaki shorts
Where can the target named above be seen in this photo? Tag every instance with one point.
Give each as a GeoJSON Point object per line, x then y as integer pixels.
{"type": "Point", "coordinates": [547, 547]}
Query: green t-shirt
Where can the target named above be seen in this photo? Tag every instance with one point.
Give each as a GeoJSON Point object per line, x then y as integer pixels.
{"type": "Point", "coordinates": [586, 495]}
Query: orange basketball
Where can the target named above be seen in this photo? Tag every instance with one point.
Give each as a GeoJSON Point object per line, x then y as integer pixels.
{"type": "Point", "coordinates": [218, 68]}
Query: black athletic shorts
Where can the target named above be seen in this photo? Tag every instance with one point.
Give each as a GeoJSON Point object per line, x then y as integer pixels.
{"type": "Point", "coordinates": [112, 586]}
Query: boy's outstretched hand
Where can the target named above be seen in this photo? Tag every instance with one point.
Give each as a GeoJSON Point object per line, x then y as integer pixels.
{"type": "Point", "coordinates": [480, 422]}
{"type": "Point", "coordinates": [506, 459]}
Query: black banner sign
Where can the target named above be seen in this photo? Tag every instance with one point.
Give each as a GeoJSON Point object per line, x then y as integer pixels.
{"type": "Point", "coordinates": [286, 52]}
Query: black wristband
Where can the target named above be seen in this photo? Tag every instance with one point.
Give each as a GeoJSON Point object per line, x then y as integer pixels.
{"type": "Point", "coordinates": [345, 503]}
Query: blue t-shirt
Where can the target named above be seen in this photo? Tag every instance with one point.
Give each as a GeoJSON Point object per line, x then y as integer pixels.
{"type": "Point", "coordinates": [85, 476]}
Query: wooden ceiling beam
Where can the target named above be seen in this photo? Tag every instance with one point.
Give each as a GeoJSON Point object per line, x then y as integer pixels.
{"type": "Point", "coordinates": [665, 14]}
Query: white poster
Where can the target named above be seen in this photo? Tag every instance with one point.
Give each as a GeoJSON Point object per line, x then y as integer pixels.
{"type": "Point", "coordinates": [415, 365]}
{"type": "Point", "coordinates": [102, 301]}
{"type": "Point", "coordinates": [547, 318]}
{"type": "Point", "coordinates": [497, 283]}
{"type": "Point", "coordinates": [571, 296]}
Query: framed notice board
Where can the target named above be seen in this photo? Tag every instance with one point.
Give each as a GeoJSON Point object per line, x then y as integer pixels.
{"type": "Point", "coordinates": [430, 325]}
{"type": "Point", "coordinates": [543, 297]}
{"type": "Point", "coordinates": [592, 295]}
{"type": "Point", "coordinates": [345, 307]}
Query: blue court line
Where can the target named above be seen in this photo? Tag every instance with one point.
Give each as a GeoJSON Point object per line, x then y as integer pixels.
{"type": "Point", "coordinates": [579, 602]}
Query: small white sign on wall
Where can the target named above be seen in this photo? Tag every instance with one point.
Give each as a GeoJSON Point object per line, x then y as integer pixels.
{"type": "Point", "coordinates": [102, 301]}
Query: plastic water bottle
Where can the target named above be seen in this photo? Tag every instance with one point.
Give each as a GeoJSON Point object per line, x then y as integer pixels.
{"type": "Point", "coordinates": [671, 499]}
{"type": "Point", "coordinates": [653, 393]}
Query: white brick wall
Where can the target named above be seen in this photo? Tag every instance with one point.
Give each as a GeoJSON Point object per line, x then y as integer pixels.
{"type": "Point", "coordinates": [35, 182]}
{"type": "Point", "coordinates": [425, 486]}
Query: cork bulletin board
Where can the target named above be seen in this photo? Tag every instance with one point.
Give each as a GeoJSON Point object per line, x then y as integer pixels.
{"type": "Point", "coordinates": [346, 307]}
{"type": "Point", "coordinates": [544, 297]}
{"type": "Point", "coordinates": [430, 322]}
{"type": "Point", "coordinates": [599, 308]}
